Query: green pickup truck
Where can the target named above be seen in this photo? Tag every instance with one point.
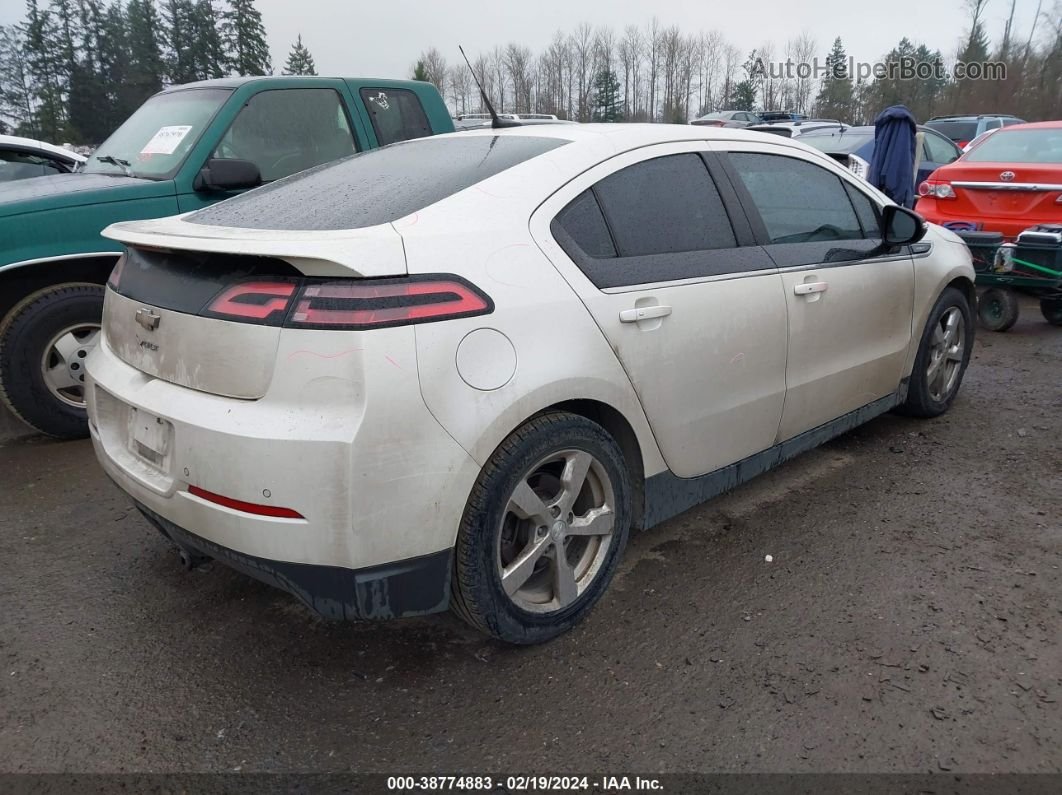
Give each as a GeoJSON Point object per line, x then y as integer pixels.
{"type": "Point", "coordinates": [185, 148]}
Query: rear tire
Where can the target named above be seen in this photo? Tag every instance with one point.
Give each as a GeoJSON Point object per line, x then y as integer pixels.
{"type": "Point", "coordinates": [1051, 308]}
{"type": "Point", "coordinates": [943, 355]}
{"type": "Point", "coordinates": [997, 309]}
{"type": "Point", "coordinates": [558, 485]}
{"type": "Point", "coordinates": [44, 341]}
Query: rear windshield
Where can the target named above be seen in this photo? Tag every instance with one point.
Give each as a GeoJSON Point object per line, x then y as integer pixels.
{"type": "Point", "coordinates": [955, 130]}
{"type": "Point", "coordinates": [376, 187]}
{"type": "Point", "coordinates": [1019, 146]}
{"type": "Point", "coordinates": [838, 143]}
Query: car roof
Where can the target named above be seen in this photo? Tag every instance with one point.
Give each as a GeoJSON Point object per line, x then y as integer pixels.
{"type": "Point", "coordinates": [236, 82]}
{"type": "Point", "coordinates": [974, 116]}
{"type": "Point", "coordinates": [41, 146]}
{"type": "Point", "coordinates": [1035, 125]}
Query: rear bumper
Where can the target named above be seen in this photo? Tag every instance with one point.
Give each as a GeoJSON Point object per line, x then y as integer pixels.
{"type": "Point", "coordinates": [414, 587]}
{"type": "Point", "coordinates": [1009, 226]}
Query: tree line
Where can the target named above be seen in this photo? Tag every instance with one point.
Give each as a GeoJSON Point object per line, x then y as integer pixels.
{"type": "Point", "coordinates": [659, 73]}
{"type": "Point", "coordinates": [73, 70]}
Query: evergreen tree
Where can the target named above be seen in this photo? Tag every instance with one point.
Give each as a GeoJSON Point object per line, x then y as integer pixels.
{"type": "Point", "coordinates": [178, 27]}
{"type": "Point", "coordinates": [16, 92]}
{"type": "Point", "coordinates": [607, 99]}
{"type": "Point", "coordinates": [208, 53]}
{"type": "Point", "coordinates": [836, 97]}
{"type": "Point", "coordinates": [420, 72]}
{"type": "Point", "coordinates": [743, 96]}
{"type": "Point", "coordinates": [245, 39]}
{"type": "Point", "coordinates": [300, 62]}
{"type": "Point", "coordinates": [44, 67]}
{"type": "Point", "coordinates": [146, 69]}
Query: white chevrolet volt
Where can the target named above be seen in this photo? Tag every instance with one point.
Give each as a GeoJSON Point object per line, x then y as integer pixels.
{"type": "Point", "coordinates": [457, 372]}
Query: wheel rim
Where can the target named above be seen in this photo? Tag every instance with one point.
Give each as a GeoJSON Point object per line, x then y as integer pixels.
{"type": "Point", "coordinates": [994, 309]}
{"type": "Point", "coordinates": [63, 363]}
{"type": "Point", "coordinates": [556, 531]}
{"type": "Point", "coordinates": [946, 354]}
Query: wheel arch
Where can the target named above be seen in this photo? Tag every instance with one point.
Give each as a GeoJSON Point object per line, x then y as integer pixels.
{"type": "Point", "coordinates": [21, 279]}
{"type": "Point", "coordinates": [966, 287]}
{"type": "Point", "coordinates": [618, 427]}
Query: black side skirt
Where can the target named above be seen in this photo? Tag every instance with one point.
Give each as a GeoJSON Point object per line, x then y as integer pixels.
{"type": "Point", "coordinates": [667, 495]}
{"type": "Point", "coordinates": [412, 587]}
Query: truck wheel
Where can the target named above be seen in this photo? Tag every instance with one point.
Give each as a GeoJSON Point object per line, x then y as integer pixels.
{"type": "Point", "coordinates": [1052, 310]}
{"type": "Point", "coordinates": [997, 309]}
{"type": "Point", "coordinates": [44, 341]}
{"type": "Point", "coordinates": [543, 530]}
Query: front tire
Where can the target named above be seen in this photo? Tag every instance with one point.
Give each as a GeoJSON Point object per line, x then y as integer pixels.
{"type": "Point", "coordinates": [543, 531]}
{"type": "Point", "coordinates": [943, 355]}
{"type": "Point", "coordinates": [44, 342]}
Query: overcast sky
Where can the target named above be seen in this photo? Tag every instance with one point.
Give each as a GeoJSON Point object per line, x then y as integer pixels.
{"type": "Point", "coordinates": [384, 39]}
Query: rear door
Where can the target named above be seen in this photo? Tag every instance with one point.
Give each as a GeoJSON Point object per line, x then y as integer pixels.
{"type": "Point", "coordinates": [692, 307]}
{"type": "Point", "coordinates": [850, 301]}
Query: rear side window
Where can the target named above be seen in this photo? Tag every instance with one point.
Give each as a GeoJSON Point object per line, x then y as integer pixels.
{"type": "Point", "coordinates": [378, 186]}
{"type": "Point", "coordinates": [665, 205]}
{"type": "Point", "coordinates": [583, 221]}
{"type": "Point", "coordinates": [798, 201]}
{"type": "Point", "coordinates": [396, 114]}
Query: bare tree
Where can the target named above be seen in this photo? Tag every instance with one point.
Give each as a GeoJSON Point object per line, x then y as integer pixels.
{"type": "Point", "coordinates": [630, 53]}
{"type": "Point", "coordinates": [583, 56]}
{"type": "Point", "coordinates": [653, 43]}
{"type": "Point", "coordinates": [435, 68]}
{"type": "Point", "coordinates": [518, 65]}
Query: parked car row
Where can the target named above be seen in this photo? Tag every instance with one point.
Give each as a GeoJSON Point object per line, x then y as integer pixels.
{"type": "Point", "coordinates": [25, 158]}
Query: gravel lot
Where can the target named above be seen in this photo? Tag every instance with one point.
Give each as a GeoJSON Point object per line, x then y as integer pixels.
{"type": "Point", "coordinates": [910, 622]}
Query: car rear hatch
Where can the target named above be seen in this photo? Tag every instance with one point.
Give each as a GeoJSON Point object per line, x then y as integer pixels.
{"type": "Point", "coordinates": [212, 320]}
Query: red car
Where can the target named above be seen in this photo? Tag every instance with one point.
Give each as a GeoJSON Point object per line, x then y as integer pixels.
{"type": "Point", "coordinates": [1007, 182]}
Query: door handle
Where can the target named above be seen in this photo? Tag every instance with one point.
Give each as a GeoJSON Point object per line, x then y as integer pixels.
{"type": "Point", "coordinates": [811, 287]}
{"type": "Point", "coordinates": [644, 313]}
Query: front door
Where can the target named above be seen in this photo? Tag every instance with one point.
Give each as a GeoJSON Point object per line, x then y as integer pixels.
{"type": "Point", "coordinates": [694, 311]}
{"type": "Point", "coordinates": [850, 300]}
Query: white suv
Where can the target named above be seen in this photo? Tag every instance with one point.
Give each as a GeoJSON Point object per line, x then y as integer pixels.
{"type": "Point", "coordinates": [458, 371]}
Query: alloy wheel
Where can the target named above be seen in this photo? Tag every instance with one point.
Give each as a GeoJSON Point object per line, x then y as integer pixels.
{"type": "Point", "coordinates": [63, 362]}
{"type": "Point", "coordinates": [947, 346]}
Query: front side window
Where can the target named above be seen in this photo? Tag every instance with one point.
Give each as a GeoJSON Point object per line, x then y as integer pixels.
{"type": "Point", "coordinates": [396, 114]}
{"type": "Point", "coordinates": [289, 130]}
{"type": "Point", "coordinates": [798, 201]}
{"type": "Point", "coordinates": [155, 140]}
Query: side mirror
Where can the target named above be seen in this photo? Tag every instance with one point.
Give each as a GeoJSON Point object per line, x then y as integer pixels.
{"type": "Point", "coordinates": [224, 174]}
{"type": "Point", "coordinates": [900, 226]}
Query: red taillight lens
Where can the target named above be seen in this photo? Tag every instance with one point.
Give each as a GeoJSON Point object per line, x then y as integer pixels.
{"type": "Point", "coordinates": [381, 303]}
{"type": "Point", "coordinates": [936, 190]}
{"type": "Point", "coordinates": [351, 303]}
{"type": "Point", "coordinates": [244, 507]}
{"type": "Point", "coordinates": [116, 274]}
{"type": "Point", "coordinates": [262, 302]}
{"type": "Point", "coordinates": [962, 144]}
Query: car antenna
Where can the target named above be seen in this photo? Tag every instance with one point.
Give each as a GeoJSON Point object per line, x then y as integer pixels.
{"type": "Point", "coordinates": [496, 121]}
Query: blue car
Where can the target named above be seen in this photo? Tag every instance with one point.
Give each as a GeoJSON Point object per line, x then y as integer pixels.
{"type": "Point", "coordinates": [937, 150]}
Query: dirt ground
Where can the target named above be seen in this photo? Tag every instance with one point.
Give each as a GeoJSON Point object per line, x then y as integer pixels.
{"type": "Point", "coordinates": [910, 622]}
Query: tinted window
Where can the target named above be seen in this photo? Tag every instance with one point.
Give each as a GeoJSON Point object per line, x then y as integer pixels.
{"type": "Point", "coordinates": [289, 130]}
{"type": "Point", "coordinates": [1042, 145]}
{"type": "Point", "coordinates": [941, 150]}
{"type": "Point", "coordinates": [376, 187]}
{"type": "Point", "coordinates": [583, 221]}
{"type": "Point", "coordinates": [955, 130]}
{"type": "Point", "coordinates": [665, 205]}
{"type": "Point", "coordinates": [396, 114]}
{"type": "Point", "coordinates": [799, 202]}
{"type": "Point", "coordinates": [1010, 122]}
{"type": "Point", "coordinates": [866, 210]}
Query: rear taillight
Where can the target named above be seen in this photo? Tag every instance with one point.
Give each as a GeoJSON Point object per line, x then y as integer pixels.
{"type": "Point", "coordinates": [350, 303]}
{"type": "Point", "coordinates": [371, 305]}
{"type": "Point", "coordinates": [936, 190]}
{"type": "Point", "coordinates": [254, 302]}
{"type": "Point", "coordinates": [116, 273]}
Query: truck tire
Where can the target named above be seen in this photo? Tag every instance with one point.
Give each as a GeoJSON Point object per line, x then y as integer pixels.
{"type": "Point", "coordinates": [44, 341]}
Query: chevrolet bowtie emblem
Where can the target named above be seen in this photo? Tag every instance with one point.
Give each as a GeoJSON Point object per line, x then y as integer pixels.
{"type": "Point", "coordinates": [148, 318]}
